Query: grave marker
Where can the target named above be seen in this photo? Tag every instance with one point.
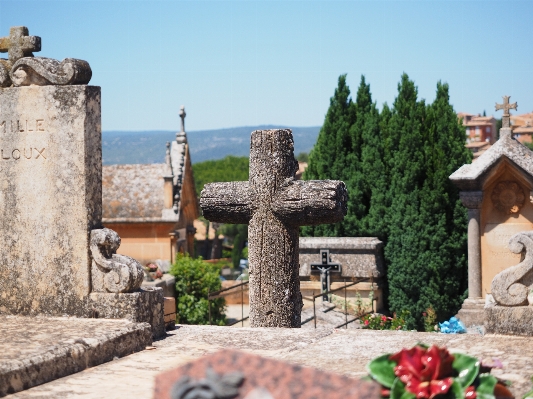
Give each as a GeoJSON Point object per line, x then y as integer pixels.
{"type": "Point", "coordinates": [55, 257]}
{"type": "Point", "coordinates": [275, 206]}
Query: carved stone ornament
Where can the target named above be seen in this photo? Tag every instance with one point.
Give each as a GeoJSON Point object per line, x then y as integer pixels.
{"type": "Point", "coordinates": [213, 386]}
{"type": "Point", "coordinates": [511, 286]}
{"type": "Point", "coordinates": [43, 71]}
{"type": "Point", "coordinates": [23, 69]}
{"type": "Point", "coordinates": [508, 197]}
{"type": "Point", "coordinates": [111, 272]}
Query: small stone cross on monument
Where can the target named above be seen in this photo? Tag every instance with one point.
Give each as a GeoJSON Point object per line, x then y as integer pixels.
{"type": "Point", "coordinates": [274, 205]}
{"type": "Point", "coordinates": [506, 107]}
{"type": "Point", "coordinates": [19, 44]}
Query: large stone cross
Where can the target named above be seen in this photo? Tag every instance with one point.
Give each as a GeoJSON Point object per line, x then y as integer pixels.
{"type": "Point", "coordinates": [19, 44]}
{"type": "Point", "coordinates": [506, 107]}
{"type": "Point", "coordinates": [274, 205]}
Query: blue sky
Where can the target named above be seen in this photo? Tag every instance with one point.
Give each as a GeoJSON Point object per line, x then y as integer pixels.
{"type": "Point", "coordinates": [245, 63]}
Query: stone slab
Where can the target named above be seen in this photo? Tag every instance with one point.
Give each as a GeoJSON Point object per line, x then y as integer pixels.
{"type": "Point", "coordinates": [358, 256]}
{"type": "Point", "coordinates": [271, 378]}
{"type": "Point", "coordinates": [340, 351]}
{"type": "Point", "coordinates": [50, 197]}
{"type": "Point", "coordinates": [142, 306]}
{"type": "Point", "coordinates": [36, 350]}
{"type": "Point", "coordinates": [517, 320]}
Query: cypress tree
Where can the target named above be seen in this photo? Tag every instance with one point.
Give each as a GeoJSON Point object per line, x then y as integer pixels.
{"type": "Point", "coordinates": [446, 226]}
{"type": "Point", "coordinates": [405, 248]}
{"type": "Point", "coordinates": [328, 158]}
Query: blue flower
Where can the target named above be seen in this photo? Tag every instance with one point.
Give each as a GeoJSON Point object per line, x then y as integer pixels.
{"type": "Point", "coordinates": [454, 326]}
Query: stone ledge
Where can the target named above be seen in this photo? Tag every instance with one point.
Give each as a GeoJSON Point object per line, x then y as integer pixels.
{"type": "Point", "coordinates": [37, 350]}
{"type": "Point", "coordinates": [142, 306]}
{"type": "Point", "coordinates": [509, 320]}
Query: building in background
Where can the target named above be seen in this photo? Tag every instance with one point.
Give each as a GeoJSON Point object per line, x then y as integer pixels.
{"type": "Point", "coordinates": [153, 207]}
{"type": "Point", "coordinates": [522, 126]}
{"type": "Point", "coordinates": [479, 128]}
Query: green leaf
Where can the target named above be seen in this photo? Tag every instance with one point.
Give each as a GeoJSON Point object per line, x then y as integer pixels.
{"type": "Point", "coordinates": [457, 390]}
{"type": "Point", "coordinates": [382, 370]}
{"type": "Point", "coordinates": [467, 369]}
{"type": "Point", "coordinates": [485, 389]}
{"type": "Point", "coordinates": [398, 391]}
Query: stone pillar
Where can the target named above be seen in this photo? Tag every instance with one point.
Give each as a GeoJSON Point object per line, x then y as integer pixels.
{"type": "Point", "coordinates": [471, 312]}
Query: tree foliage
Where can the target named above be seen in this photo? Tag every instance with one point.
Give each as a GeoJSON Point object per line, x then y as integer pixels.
{"type": "Point", "coordinates": [229, 168]}
{"type": "Point", "coordinates": [194, 280]}
{"type": "Point", "coordinates": [396, 165]}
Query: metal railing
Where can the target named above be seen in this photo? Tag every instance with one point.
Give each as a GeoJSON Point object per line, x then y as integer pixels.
{"type": "Point", "coordinates": [225, 292]}
{"type": "Point", "coordinates": [321, 294]}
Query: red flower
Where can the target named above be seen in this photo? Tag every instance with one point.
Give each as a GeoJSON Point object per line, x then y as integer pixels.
{"type": "Point", "coordinates": [425, 372]}
{"type": "Point", "coordinates": [366, 322]}
{"type": "Point", "coordinates": [470, 392]}
{"type": "Point", "coordinates": [383, 318]}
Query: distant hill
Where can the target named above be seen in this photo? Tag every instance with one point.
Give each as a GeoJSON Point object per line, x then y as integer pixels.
{"type": "Point", "coordinates": [123, 147]}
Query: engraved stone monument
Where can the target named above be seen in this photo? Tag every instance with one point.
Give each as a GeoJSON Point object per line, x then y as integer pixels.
{"type": "Point", "coordinates": [55, 257]}
{"type": "Point", "coordinates": [496, 189]}
{"type": "Point", "coordinates": [274, 205]}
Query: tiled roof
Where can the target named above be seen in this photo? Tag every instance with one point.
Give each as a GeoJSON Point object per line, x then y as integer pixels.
{"type": "Point", "coordinates": [133, 191]}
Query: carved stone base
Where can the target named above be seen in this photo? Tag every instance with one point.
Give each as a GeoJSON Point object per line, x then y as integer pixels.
{"type": "Point", "coordinates": [516, 320]}
{"type": "Point", "coordinates": [472, 312]}
{"type": "Point", "coordinates": [144, 305]}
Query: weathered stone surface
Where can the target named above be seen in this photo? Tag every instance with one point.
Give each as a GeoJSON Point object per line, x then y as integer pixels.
{"type": "Point", "coordinates": [43, 71]}
{"type": "Point", "coordinates": [341, 351]}
{"type": "Point", "coordinates": [246, 374]}
{"type": "Point", "coordinates": [516, 320]}
{"type": "Point", "coordinates": [142, 306]}
{"type": "Point", "coordinates": [472, 313]}
{"type": "Point", "coordinates": [36, 350]}
{"type": "Point", "coordinates": [274, 205]}
{"type": "Point", "coordinates": [359, 256]}
{"type": "Point", "coordinates": [51, 198]}
{"type": "Point", "coordinates": [511, 286]}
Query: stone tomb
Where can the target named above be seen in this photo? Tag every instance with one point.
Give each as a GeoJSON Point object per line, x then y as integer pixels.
{"type": "Point", "coordinates": [496, 189]}
{"type": "Point", "coordinates": [239, 375]}
{"type": "Point", "coordinates": [359, 257]}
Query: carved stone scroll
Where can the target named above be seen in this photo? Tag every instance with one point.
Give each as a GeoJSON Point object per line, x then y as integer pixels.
{"type": "Point", "coordinates": [511, 286]}
{"type": "Point", "coordinates": [111, 272]}
{"type": "Point", "coordinates": [43, 71]}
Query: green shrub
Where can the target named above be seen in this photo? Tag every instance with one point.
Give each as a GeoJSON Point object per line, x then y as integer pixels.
{"type": "Point", "coordinates": [194, 280]}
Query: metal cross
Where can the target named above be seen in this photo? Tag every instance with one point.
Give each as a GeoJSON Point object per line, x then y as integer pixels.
{"type": "Point", "coordinates": [506, 107]}
{"type": "Point", "coordinates": [325, 267]}
{"type": "Point", "coordinates": [19, 44]}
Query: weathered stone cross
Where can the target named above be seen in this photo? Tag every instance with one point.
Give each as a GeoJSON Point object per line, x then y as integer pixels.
{"type": "Point", "coordinates": [275, 206]}
{"type": "Point", "coordinates": [18, 44]}
{"type": "Point", "coordinates": [506, 107]}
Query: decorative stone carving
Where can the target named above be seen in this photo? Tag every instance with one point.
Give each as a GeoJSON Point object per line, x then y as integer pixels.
{"type": "Point", "coordinates": [111, 272]}
{"type": "Point", "coordinates": [23, 69]}
{"type": "Point", "coordinates": [43, 71]}
{"type": "Point", "coordinates": [508, 197]}
{"type": "Point", "coordinates": [471, 199]}
{"type": "Point", "coordinates": [511, 286]}
{"type": "Point", "coordinates": [225, 386]}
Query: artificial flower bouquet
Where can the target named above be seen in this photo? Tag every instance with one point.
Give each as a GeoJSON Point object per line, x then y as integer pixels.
{"type": "Point", "coordinates": [424, 372]}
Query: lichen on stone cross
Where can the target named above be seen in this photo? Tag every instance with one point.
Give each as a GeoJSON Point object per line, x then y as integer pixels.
{"type": "Point", "coordinates": [274, 205]}
{"type": "Point", "coordinates": [19, 44]}
{"type": "Point", "coordinates": [506, 107]}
